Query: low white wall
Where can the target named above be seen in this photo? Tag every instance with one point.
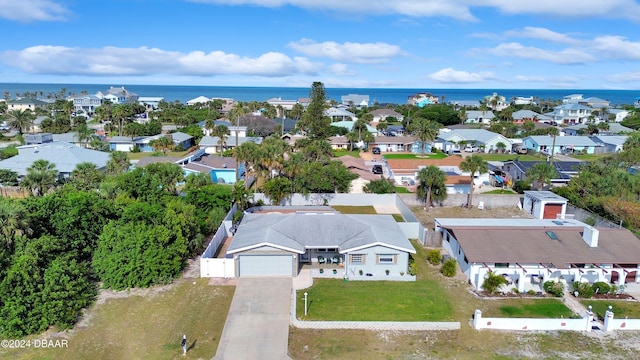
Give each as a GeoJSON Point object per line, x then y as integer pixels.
{"type": "Point", "coordinates": [611, 324]}
{"type": "Point", "coordinates": [224, 268]}
{"type": "Point", "coordinates": [528, 324]}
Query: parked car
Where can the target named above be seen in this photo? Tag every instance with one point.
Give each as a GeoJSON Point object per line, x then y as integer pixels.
{"type": "Point", "coordinates": [470, 148]}
{"type": "Point", "coordinates": [377, 169]}
{"type": "Point", "coordinates": [454, 152]}
{"type": "Point", "coordinates": [376, 150]}
{"type": "Point", "coordinates": [522, 150]}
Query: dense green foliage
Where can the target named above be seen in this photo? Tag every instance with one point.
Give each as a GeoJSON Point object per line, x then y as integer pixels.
{"type": "Point", "coordinates": [434, 257]}
{"type": "Point", "coordinates": [492, 282]}
{"type": "Point", "coordinates": [449, 268]}
{"type": "Point", "coordinates": [554, 288]}
{"type": "Point", "coordinates": [380, 186]}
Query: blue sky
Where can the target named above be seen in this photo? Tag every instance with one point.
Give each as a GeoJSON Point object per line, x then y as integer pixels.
{"type": "Point", "coordinates": [566, 44]}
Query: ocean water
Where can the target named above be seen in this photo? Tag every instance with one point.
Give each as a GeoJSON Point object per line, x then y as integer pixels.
{"type": "Point", "coordinates": [380, 95]}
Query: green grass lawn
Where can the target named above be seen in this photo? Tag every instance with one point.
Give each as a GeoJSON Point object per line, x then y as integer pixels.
{"type": "Point", "coordinates": [334, 299]}
{"type": "Point", "coordinates": [620, 308]}
{"type": "Point", "coordinates": [529, 308]}
{"type": "Point", "coordinates": [500, 191]}
{"type": "Point", "coordinates": [437, 155]}
{"type": "Point", "coordinates": [507, 157]}
{"type": "Point", "coordinates": [344, 209]}
{"type": "Point", "coordinates": [402, 190]}
{"type": "Point", "coordinates": [147, 327]}
{"type": "Point", "coordinates": [340, 153]}
{"type": "Point", "coordinates": [588, 157]}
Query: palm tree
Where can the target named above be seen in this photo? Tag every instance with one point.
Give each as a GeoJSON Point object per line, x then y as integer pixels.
{"type": "Point", "coordinates": [41, 177]}
{"type": "Point", "coordinates": [425, 130]}
{"type": "Point", "coordinates": [462, 115]}
{"type": "Point", "coordinates": [501, 146]}
{"type": "Point", "coordinates": [13, 222]}
{"type": "Point", "coordinates": [86, 176]}
{"type": "Point", "coordinates": [22, 120]}
{"type": "Point", "coordinates": [430, 179]}
{"type": "Point", "coordinates": [163, 144]}
{"type": "Point", "coordinates": [84, 133]}
{"type": "Point", "coordinates": [249, 154]}
{"type": "Point", "coordinates": [209, 125]}
{"type": "Point", "coordinates": [541, 173]}
{"type": "Point", "coordinates": [473, 164]}
{"type": "Point", "coordinates": [118, 163]}
{"type": "Point", "coordinates": [222, 132]}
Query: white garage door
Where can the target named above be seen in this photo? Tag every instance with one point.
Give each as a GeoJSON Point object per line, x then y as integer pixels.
{"type": "Point", "coordinates": [266, 265]}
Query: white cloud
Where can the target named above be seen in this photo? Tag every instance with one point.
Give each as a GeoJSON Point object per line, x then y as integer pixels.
{"type": "Point", "coordinates": [450, 75]}
{"type": "Point", "coordinates": [627, 77]}
{"type": "Point", "coordinates": [110, 61]}
{"type": "Point", "coordinates": [32, 10]}
{"type": "Point", "coordinates": [617, 47]}
{"type": "Point", "coordinates": [566, 56]}
{"type": "Point", "coordinates": [541, 34]}
{"type": "Point", "coordinates": [341, 70]}
{"type": "Point", "coordinates": [458, 9]}
{"type": "Point", "coordinates": [369, 53]}
{"type": "Point", "coordinates": [527, 78]}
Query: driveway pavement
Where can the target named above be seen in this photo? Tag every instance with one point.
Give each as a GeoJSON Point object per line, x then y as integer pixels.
{"type": "Point", "coordinates": [257, 326]}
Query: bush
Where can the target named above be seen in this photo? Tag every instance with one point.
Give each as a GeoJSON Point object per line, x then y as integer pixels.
{"type": "Point", "coordinates": [600, 287]}
{"type": "Point", "coordinates": [492, 282]}
{"type": "Point", "coordinates": [449, 268]}
{"type": "Point", "coordinates": [434, 257]}
{"type": "Point", "coordinates": [531, 292]}
{"type": "Point", "coordinates": [521, 186]}
{"type": "Point", "coordinates": [554, 288]}
{"type": "Point", "coordinates": [585, 290]}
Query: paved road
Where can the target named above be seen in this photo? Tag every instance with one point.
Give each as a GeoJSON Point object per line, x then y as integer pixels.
{"type": "Point", "coordinates": [257, 326]}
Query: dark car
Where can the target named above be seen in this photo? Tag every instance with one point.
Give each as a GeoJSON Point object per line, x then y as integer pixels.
{"type": "Point", "coordinates": [377, 169]}
{"type": "Point", "coordinates": [376, 150]}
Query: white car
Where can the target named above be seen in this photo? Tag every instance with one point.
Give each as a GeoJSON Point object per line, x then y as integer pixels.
{"type": "Point", "coordinates": [470, 148]}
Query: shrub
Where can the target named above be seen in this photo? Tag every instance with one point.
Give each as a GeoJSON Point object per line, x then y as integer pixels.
{"type": "Point", "coordinates": [492, 282]}
{"type": "Point", "coordinates": [554, 288]}
{"type": "Point", "coordinates": [434, 257]}
{"type": "Point", "coordinates": [600, 287]}
{"type": "Point", "coordinates": [413, 268]}
{"type": "Point", "coordinates": [515, 290]}
{"type": "Point", "coordinates": [531, 292]}
{"type": "Point", "coordinates": [387, 271]}
{"type": "Point", "coordinates": [585, 290]}
{"type": "Point", "coordinates": [360, 272]}
{"type": "Point", "coordinates": [521, 186]}
{"type": "Point", "coordinates": [449, 268]}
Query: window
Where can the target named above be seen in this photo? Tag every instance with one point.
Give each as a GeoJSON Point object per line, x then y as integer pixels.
{"type": "Point", "coordinates": [386, 259]}
{"type": "Point", "coordinates": [502, 265]}
{"type": "Point", "coordinates": [357, 259]}
{"type": "Point", "coordinates": [327, 250]}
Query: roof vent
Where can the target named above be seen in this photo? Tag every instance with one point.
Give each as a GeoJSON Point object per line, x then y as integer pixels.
{"type": "Point", "coordinates": [552, 235]}
{"type": "Point", "coordinates": [557, 222]}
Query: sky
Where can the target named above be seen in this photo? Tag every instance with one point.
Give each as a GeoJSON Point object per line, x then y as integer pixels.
{"type": "Point", "coordinates": [500, 44]}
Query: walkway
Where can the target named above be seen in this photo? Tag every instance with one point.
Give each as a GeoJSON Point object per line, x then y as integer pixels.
{"type": "Point", "coordinates": [257, 325]}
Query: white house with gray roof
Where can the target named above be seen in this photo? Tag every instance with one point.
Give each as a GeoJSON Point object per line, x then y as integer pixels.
{"type": "Point", "coordinates": [521, 116]}
{"type": "Point", "coordinates": [479, 117]}
{"type": "Point", "coordinates": [276, 243]}
{"type": "Point", "coordinates": [64, 156]}
{"type": "Point", "coordinates": [383, 114]}
{"type": "Point", "coordinates": [613, 143]}
{"type": "Point", "coordinates": [478, 137]}
{"type": "Point", "coordinates": [548, 144]}
{"type": "Point", "coordinates": [355, 100]}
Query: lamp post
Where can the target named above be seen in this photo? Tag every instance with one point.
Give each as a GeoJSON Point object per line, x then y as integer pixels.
{"type": "Point", "coordinates": [305, 303]}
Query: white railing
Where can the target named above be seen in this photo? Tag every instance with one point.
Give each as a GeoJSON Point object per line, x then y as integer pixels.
{"type": "Point", "coordinates": [530, 324]}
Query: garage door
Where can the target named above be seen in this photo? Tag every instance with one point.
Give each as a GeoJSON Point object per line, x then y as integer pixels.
{"type": "Point", "coordinates": [551, 210]}
{"type": "Point", "coordinates": [266, 265]}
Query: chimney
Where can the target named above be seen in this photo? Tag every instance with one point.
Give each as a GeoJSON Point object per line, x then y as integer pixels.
{"type": "Point", "coordinates": [590, 236]}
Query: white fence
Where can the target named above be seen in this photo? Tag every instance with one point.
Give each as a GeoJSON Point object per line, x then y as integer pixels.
{"type": "Point", "coordinates": [218, 267]}
{"type": "Point", "coordinates": [528, 324]}
{"type": "Point", "coordinates": [611, 324]}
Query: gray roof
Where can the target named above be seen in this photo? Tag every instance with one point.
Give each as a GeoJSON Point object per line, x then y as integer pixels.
{"type": "Point", "coordinates": [338, 112]}
{"type": "Point", "coordinates": [180, 136]}
{"type": "Point", "coordinates": [70, 137]}
{"type": "Point", "coordinates": [562, 140]}
{"type": "Point", "coordinates": [231, 140]}
{"type": "Point", "coordinates": [614, 128]}
{"type": "Point", "coordinates": [528, 114]}
{"type": "Point", "coordinates": [479, 135]}
{"type": "Point", "coordinates": [611, 139]}
{"type": "Point", "coordinates": [474, 114]}
{"type": "Point", "coordinates": [64, 155]}
{"type": "Point", "coordinates": [298, 232]}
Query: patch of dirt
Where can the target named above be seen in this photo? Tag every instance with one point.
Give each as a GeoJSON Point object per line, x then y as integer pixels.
{"type": "Point", "coordinates": [427, 217]}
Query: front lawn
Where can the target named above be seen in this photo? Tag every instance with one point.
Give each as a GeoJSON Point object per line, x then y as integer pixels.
{"type": "Point", "coordinates": [345, 209]}
{"type": "Point", "coordinates": [500, 191]}
{"type": "Point", "coordinates": [437, 155]}
{"type": "Point", "coordinates": [339, 300]}
{"type": "Point", "coordinates": [528, 308]}
{"type": "Point", "coordinates": [340, 153]}
{"type": "Point", "coordinates": [402, 190]}
{"type": "Point", "coordinates": [620, 308]}
{"type": "Point", "coordinates": [140, 155]}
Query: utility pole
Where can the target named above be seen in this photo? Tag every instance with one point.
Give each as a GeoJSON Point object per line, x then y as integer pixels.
{"type": "Point", "coordinates": [237, 167]}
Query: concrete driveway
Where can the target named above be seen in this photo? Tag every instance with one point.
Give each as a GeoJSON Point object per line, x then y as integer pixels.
{"type": "Point", "coordinates": [257, 326]}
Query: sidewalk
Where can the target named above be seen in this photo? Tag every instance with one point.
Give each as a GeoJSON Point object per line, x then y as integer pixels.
{"type": "Point", "coordinates": [572, 303]}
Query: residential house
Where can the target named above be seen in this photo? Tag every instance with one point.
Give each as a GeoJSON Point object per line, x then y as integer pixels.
{"type": "Point", "coordinates": [572, 99]}
{"type": "Point", "coordinates": [612, 143]}
{"type": "Point", "coordinates": [339, 114]}
{"type": "Point", "coordinates": [222, 170]}
{"type": "Point", "coordinates": [570, 113]}
{"type": "Point", "coordinates": [63, 155]}
{"type": "Point", "coordinates": [341, 142]}
{"type": "Point", "coordinates": [496, 102]}
{"type": "Point", "coordinates": [40, 138]}
{"type": "Point", "coordinates": [213, 145]}
{"type": "Point", "coordinates": [398, 144]}
{"type": "Point", "coordinates": [349, 124]}
{"type": "Point", "coordinates": [521, 100]}
{"type": "Point", "coordinates": [198, 100]}
{"type": "Point", "coordinates": [182, 141]}
{"type": "Point", "coordinates": [594, 102]}
{"type": "Point", "coordinates": [118, 95]}
{"type": "Point", "coordinates": [26, 104]}
{"type": "Point", "coordinates": [544, 205]}
{"type": "Point", "coordinates": [470, 104]}
{"type": "Point", "coordinates": [285, 105]}
{"type": "Point", "coordinates": [382, 115]}
{"type": "Point", "coordinates": [150, 102]}
{"type": "Point", "coordinates": [547, 144]}
{"type": "Point", "coordinates": [636, 102]}
{"type": "Point", "coordinates": [520, 116]}
{"type": "Point", "coordinates": [85, 103]}
{"type": "Point", "coordinates": [405, 172]}
{"type": "Point", "coordinates": [614, 129]}
{"type": "Point", "coordinates": [516, 170]}
{"type": "Point", "coordinates": [484, 139]}
{"type": "Point", "coordinates": [292, 138]}
{"type": "Point", "coordinates": [359, 167]}
{"type": "Point", "coordinates": [529, 252]}
{"type": "Point", "coordinates": [479, 117]}
{"type": "Point", "coordinates": [356, 100]}
{"type": "Point", "coordinates": [277, 244]}
{"type": "Point", "coordinates": [618, 114]}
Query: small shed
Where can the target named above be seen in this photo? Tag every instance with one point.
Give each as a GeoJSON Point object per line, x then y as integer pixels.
{"type": "Point", "coordinates": [544, 204]}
